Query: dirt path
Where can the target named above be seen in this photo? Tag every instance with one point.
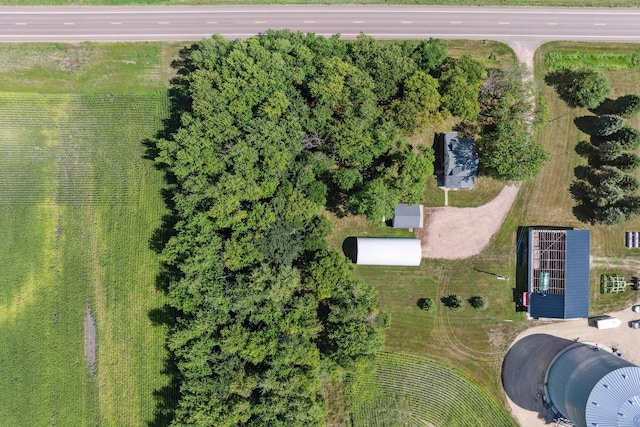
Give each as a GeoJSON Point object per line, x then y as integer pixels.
{"type": "Point", "coordinates": [627, 263]}
{"type": "Point", "coordinates": [524, 51]}
{"type": "Point", "coordinates": [456, 233]}
{"type": "Point", "coordinates": [90, 341]}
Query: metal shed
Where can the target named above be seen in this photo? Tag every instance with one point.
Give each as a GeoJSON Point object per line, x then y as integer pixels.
{"type": "Point", "coordinates": [407, 216]}
{"type": "Point", "coordinates": [388, 251]}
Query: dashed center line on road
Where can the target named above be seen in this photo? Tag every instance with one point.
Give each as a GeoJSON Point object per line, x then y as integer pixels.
{"type": "Point", "coordinates": [358, 22]}
{"type": "Point", "coordinates": [503, 23]}
{"type": "Point", "coordinates": [116, 23]}
{"type": "Point", "coordinates": [67, 23]}
{"type": "Point", "coordinates": [163, 22]}
{"type": "Point", "coordinates": [456, 22]}
{"type": "Point", "coordinates": [212, 22]}
{"type": "Point", "coordinates": [552, 23]}
{"type": "Point", "coordinates": [21, 23]}
{"type": "Point", "coordinates": [261, 22]}
{"type": "Point", "coordinates": [600, 25]}
{"type": "Point", "coordinates": [309, 22]}
{"type": "Point", "coordinates": [407, 22]}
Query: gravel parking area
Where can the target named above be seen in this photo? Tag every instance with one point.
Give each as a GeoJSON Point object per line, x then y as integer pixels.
{"type": "Point", "coordinates": [456, 233]}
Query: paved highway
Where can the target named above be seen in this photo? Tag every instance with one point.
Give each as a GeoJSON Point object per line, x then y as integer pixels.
{"type": "Point", "coordinates": [526, 25]}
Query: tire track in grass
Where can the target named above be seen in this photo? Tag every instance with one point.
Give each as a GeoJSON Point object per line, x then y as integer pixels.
{"type": "Point", "coordinates": [445, 334]}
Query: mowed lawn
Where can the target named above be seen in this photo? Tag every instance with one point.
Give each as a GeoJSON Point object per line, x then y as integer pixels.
{"type": "Point", "coordinates": [78, 205]}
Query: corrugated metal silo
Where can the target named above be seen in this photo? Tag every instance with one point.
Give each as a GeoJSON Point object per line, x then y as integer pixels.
{"type": "Point", "coordinates": [595, 388]}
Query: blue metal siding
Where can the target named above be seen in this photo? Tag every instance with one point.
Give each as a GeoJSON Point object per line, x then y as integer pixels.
{"type": "Point", "coordinates": [529, 260]}
{"type": "Point", "coordinates": [548, 305]}
{"type": "Point", "coordinates": [576, 301]}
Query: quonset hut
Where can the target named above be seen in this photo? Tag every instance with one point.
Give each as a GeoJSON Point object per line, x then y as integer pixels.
{"type": "Point", "coordinates": [593, 387]}
{"type": "Point", "coordinates": [387, 251]}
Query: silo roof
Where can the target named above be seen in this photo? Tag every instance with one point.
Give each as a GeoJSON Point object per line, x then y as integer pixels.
{"type": "Point", "coordinates": [591, 387]}
{"type": "Point", "coordinates": [615, 399]}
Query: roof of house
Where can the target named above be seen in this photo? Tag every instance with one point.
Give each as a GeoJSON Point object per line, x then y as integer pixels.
{"type": "Point", "coordinates": [407, 216]}
{"type": "Point", "coordinates": [460, 161]}
{"type": "Point", "coordinates": [563, 256]}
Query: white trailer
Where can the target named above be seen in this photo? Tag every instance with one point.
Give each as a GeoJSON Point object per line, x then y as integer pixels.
{"type": "Point", "coordinates": [608, 322]}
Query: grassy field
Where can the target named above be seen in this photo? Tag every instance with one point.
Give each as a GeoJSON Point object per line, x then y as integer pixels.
{"type": "Point", "coordinates": [78, 203]}
{"type": "Point", "coordinates": [566, 3]}
{"type": "Point", "coordinates": [403, 392]}
{"type": "Point", "coordinates": [133, 68]}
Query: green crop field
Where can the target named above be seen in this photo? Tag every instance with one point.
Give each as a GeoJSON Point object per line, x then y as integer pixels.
{"type": "Point", "coordinates": [414, 391]}
{"type": "Point", "coordinates": [78, 204]}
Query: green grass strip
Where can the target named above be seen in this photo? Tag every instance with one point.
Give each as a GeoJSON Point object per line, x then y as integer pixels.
{"type": "Point", "coordinates": [603, 61]}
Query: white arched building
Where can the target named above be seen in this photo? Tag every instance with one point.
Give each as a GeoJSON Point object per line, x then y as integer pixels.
{"type": "Point", "coordinates": [388, 251]}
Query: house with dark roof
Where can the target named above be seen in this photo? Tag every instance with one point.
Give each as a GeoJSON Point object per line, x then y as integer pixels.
{"type": "Point", "coordinates": [558, 272]}
{"type": "Point", "coordinates": [460, 165]}
{"type": "Point", "coordinates": [407, 216]}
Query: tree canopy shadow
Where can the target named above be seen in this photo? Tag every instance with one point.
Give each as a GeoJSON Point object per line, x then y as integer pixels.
{"type": "Point", "coordinates": [585, 149]}
{"type": "Point", "coordinates": [166, 397]}
{"type": "Point", "coordinates": [608, 106]}
{"type": "Point", "coordinates": [581, 192]}
{"type": "Point", "coordinates": [562, 82]}
{"type": "Point", "coordinates": [584, 173]}
{"type": "Point", "coordinates": [585, 123]}
{"type": "Point", "coordinates": [350, 248]}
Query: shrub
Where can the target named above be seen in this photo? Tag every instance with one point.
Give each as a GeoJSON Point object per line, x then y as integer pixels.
{"type": "Point", "coordinates": [478, 302]}
{"type": "Point", "coordinates": [426, 304]}
{"type": "Point", "coordinates": [454, 302]}
{"type": "Point", "coordinates": [607, 124]}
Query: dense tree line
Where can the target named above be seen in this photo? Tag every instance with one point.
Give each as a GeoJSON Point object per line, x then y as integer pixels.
{"type": "Point", "coordinates": [273, 129]}
{"type": "Point", "coordinates": [606, 191]}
